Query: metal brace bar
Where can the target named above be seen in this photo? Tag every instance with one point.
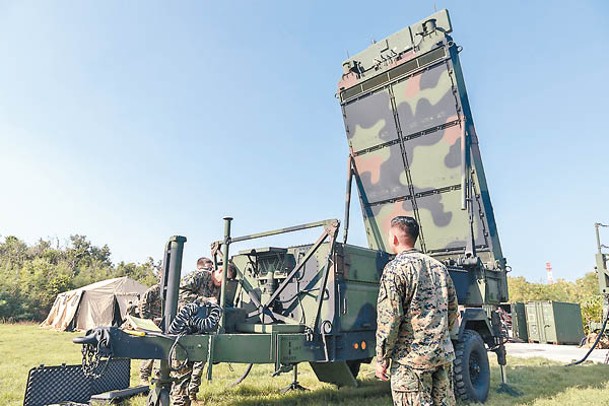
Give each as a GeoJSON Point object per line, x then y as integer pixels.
{"type": "Point", "coordinates": [331, 228]}
{"type": "Point", "coordinates": [329, 265]}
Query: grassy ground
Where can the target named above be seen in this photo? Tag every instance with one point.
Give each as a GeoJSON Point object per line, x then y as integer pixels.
{"type": "Point", "coordinates": [23, 346]}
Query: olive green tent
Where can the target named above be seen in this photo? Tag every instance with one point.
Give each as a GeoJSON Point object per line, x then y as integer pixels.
{"type": "Point", "coordinates": [102, 303]}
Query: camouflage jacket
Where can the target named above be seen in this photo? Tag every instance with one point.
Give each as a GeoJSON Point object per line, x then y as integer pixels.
{"type": "Point", "coordinates": [417, 309]}
{"type": "Point", "coordinates": [197, 285]}
{"type": "Point", "coordinates": [150, 305]}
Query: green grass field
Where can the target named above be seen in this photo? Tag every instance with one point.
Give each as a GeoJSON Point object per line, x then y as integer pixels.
{"type": "Point", "coordinates": [23, 346]}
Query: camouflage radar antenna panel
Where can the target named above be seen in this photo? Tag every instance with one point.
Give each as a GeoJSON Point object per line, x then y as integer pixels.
{"type": "Point", "coordinates": [412, 142]}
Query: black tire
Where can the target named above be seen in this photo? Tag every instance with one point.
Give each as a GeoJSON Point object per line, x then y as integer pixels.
{"type": "Point", "coordinates": [472, 374]}
{"type": "Point", "coordinates": [354, 367]}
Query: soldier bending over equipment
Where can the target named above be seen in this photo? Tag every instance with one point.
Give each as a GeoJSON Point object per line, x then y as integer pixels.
{"type": "Point", "coordinates": [150, 308]}
{"type": "Point", "coordinates": [200, 286]}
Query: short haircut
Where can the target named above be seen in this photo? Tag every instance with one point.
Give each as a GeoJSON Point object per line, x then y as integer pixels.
{"type": "Point", "coordinates": [204, 262]}
{"type": "Point", "coordinates": [408, 225]}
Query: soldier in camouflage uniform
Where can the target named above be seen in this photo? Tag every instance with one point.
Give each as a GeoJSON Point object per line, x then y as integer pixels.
{"type": "Point", "coordinates": [150, 308]}
{"type": "Point", "coordinates": [417, 309]}
{"type": "Point", "coordinates": [201, 285]}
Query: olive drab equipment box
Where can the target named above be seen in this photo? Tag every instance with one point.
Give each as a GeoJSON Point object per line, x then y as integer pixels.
{"type": "Point", "coordinates": [554, 322]}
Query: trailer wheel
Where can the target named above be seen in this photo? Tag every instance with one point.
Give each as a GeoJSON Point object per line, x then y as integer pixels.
{"type": "Point", "coordinates": [354, 367]}
{"type": "Point", "coordinates": [472, 374]}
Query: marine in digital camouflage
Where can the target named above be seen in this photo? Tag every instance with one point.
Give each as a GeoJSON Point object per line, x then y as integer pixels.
{"type": "Point", "coordinates": [195, 286]}
{"type": "Point", "coordinates": [187, 380]}
{"type": "Point", "coordinates": [150, 308]}
{"type": "Point", "coordinates": [150, 305]}
{"type": "Point", "coordinates": [413, 387]}
{"type": "Point", "coordinates": [195, 379]}
{"type": "Point", "coordinates": [179, 390]}
{"type": "Point", "coordinates": [416, 310]}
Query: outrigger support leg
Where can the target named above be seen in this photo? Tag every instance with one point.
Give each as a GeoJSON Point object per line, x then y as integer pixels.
{"type": "Point", "coordinates": [295, 385]}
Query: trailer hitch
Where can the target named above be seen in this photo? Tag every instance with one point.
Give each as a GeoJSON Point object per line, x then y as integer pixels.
{"type": "Point", "coordinates": [95, 346]}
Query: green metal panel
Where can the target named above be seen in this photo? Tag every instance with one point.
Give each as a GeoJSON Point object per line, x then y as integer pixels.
{"type": "Point", "coordinates": [363, 264]}
{"type": "Point", "coordinates": [519, 321]}
{"type": "Point", "coordinates": [337, 373]}
{"type": "Point", "coordinates": [532, 322]}
{"type": "Point", "coordinates": [568, 325]}
{"type": "Point", "coordinates": [554, 322]}
{"type": "Point", "coordinates": [357, 304]}
{"type": "Point", "coordinates": [358, 273]}
{"type": "Point", "coordinates": [549, 319]}
{"type": "Point", "coordinates": [265, 348]}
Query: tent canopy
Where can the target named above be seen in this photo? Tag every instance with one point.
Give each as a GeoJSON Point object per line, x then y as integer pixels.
{"type": "Point", "coordinates": [102, 303]}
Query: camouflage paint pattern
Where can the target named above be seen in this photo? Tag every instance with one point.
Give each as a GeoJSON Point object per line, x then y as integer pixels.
{"type": "Point", "coordinates": [411, 135]}
{"type": "Point", "coordinates": [349, 300]}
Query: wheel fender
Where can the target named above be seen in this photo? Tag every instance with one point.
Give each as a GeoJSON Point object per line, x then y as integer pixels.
{"type": "Point", "coordinates": [475, 319]}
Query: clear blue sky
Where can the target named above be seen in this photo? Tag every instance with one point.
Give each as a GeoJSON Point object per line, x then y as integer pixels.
{"type": "Point", "coordinates": [133, 121]}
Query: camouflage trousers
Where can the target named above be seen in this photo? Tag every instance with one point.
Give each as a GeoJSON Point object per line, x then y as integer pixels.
{"type": "Point", "coordinates": [146, 369]}
{"type": "Point", "coordinates": [187, 382]}
{"type": "Point", "coordinates": [413, 387]}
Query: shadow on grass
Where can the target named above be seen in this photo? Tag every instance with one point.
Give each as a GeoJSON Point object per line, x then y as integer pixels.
{"type": "Point", "coordinates": [369, 391]}
{"type": "Point", "coordinates": [536, 379]}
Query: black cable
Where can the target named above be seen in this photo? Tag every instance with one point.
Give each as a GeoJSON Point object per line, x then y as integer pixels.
{"type": "Point", "coordinates": [598, 338]}
{"type": "Point", "coordinates": [170, 353]}
{"type": "Point", "coordinates": [242, 377]}
{"type": "Point", "coordinates": [192, 319]}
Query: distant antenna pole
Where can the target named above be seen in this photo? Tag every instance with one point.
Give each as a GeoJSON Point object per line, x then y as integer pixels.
{"type": "Point", "coordinates": [598, 236]}
{"type": "Point", "coordinates": [549, 273]}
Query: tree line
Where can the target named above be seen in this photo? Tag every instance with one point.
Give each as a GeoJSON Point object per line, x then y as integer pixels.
{"type": "Point", "coordinates": [31, 276]}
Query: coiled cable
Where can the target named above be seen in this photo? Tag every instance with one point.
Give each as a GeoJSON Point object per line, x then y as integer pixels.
{"type": "Point", "coordinates": [196, 319]}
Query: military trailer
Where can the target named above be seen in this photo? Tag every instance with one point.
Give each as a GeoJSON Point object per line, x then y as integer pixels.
{"type": "Point", "coordinates": [413, 150]}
